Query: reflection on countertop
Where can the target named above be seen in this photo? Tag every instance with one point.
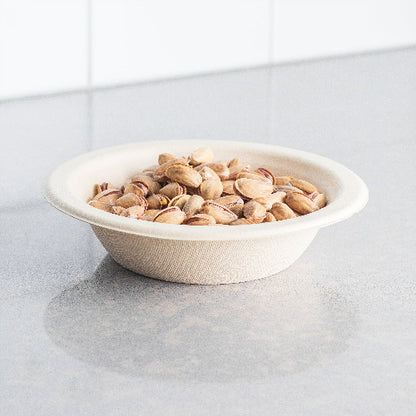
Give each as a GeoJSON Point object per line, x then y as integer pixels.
{"type": "Point", "coordinates": [148, 328]}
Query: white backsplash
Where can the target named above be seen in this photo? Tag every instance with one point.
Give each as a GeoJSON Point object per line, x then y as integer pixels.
{"type": "Point", "coordinates": [56, 45]}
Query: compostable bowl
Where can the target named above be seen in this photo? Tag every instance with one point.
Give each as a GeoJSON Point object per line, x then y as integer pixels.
{"type": "Point", "coordinates": [195, 254]}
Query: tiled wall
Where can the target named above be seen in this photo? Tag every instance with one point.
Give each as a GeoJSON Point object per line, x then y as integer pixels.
{"type": "Point", "coordinates": [54, 45]}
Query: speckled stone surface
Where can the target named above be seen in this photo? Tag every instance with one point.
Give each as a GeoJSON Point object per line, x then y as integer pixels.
{"type": "Point", "coordinates": [333, 334]}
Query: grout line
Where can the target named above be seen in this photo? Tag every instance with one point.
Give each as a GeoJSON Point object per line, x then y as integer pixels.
{"type": "Point", "coordinates": [270, 99]}
{"type": "Point", "coordinates": [249, 68]}
{"type": "Point", "coordinates": [89, 44]}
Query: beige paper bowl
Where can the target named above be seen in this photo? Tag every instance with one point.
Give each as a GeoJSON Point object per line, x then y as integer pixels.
{"type": "Point", "coordinates": [203, 255]}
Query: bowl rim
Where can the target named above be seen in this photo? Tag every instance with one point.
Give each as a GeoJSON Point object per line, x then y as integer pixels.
{"type": "Point", "coordinates": [351, 198]}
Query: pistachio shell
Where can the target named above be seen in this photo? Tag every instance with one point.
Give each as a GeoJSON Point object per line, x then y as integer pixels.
{"type": "Point", "coordinates": [200, 219]}
{"type": "Point", "coordinates": [103, 187]}
{"type": "Point", "coordinates": [220, 168]}
{"type": "Point", "coordinates": [318, 198]}
{"type": "Point", "coordinates": [179, 201]}
{"type": "Point", "coordinates": [136, 212]}
{"type": "Point", "coordinates": [208, 173]}
{"type": "Point", "coordinates": [193, 205]}
{"type": "Point", "coordinates": [157, 201]}
{"type": "Point", "coordinates": [269, 175]}
{"type": "Point", "coordinates": [228, 187]}
{"type": "Point", "coordinates": [202, 155]}
{"type": "Point", "coordinates": [100, 205]}
{"type": "Point", "coordinates": [211, 189]}
{"type": "Point", "coordinates": [268, 200]}
{"type": "Point", "coordinates": [241, 221]}
{"type": "Point", "coordinates": [254, 211]}
{"type": "Point", "coordinates": [234, 162]}
{"type": "Point", "coordinates": [303, 185]}
{"type": "Point", "coordinates": [282, 180]}
{"type": "Point", "coordinates": [150, 214]}
{"type": "Point", "coordinates": [130, 200]}
{"type": "Point", "coordinates": [233, 202]}
{"type": "Point", "coordinates": [221, 214]}
{"type": "Point", "coordinates": [173, 189]}
{"type": "Point", "coordinates": [236, 170]}
{"type": "Point", "coordinates": [251, 188]}
{"type": "Point", "coordinates": [170, 215]}
{"type": "Point", "coordinates": [118, 210]}
{"type": "Point", "coordinates": [159, 173]}
{"type": "Point", "coordinates": [248, 174]}
{"type": "Point", "coordinates": [109, 196]}
{"type": "Point", "coordinates": [285, 188]}
{"type": "Point", "coordinates": [143, 186]}
{"type": "Point", "coordinates": [151, 184]}
{"type": "Point", "coordinates": [269, 217]}
{"type": "Point", "coordinates": [185, 175]}
{"type": "Point", "coordinates": [165, 157]}
{"type": "Point", "coordinates": [301, 203]}
{"type": "Point", "coordinates": [281, 211]}
{"type": "Point", "coordinates": [133, 188]}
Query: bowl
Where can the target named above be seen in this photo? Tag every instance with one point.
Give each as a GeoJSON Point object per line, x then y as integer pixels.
{"type": "Point", "coordinates": [203, 255]}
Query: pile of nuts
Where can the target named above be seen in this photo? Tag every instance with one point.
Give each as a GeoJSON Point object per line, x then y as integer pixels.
{"type": "Point", "coordinates": [198, 191]}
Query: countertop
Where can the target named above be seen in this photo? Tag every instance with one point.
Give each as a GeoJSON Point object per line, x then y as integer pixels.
{"type": "Point", "coordinates": [335, 334]}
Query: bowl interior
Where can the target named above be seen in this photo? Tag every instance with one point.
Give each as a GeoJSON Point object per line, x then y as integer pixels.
{"type": "Point", "coordinates": [70, 186]}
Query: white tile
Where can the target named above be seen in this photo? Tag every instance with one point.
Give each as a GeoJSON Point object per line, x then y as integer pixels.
{"type": "Point", "coordinates": [43, 46]}
{"type": "Point", "coordinates": [306, 29]}
{"type": "Point", "coordinates": [231, 106]}
{"type": "Point", "coordinates": [141, 39]}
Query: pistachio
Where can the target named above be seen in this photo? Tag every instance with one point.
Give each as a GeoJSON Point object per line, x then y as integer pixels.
{"type": "Point", "coordinates": [247, 174]}
{"type": "Point", "coordinates": [179, 201]}
{"type": "Point", "coordinates": [100, 205]}
{"type": "Point", "coordinates": [303, 185]}
{"type": "Point", "coordinates": [251, 188]}
{"type": "Point", "coordinates": [228, 188]}
{"type": "Point", "coordinates": [220, 168]}
{"type": "Point", "coordinates": [129, 200]}
{"type": "Point", "coordinates": [103, 187]}
{"type": "Point", "coordinates": [233, 202]}
{"type": "Point", "coordinates": [268, 200]}
{"type": "Point", "coordinates": [152, 185]}
{"type": "Point", "coordinates": [108, 196]}
{"type": "Point", "coordinates": [241, 221]}
{"type": "Point", "coordinates": [159, 173]}
{"type": "Point", "coordinates": [254, 211]}
{"type": "Point", "coordinates": [157, 201]}
{"type": "Point", "coordinates": [300, 202]}
{"type": "Point", "coordinates": [285, 188]}
{"type": "Point", "coordinates": [165, 157]}
{"type": "Point", "coordinates": [173, 189]}
{"type": "Point", "coordinates": [282, 180]}
{"type": "Point", "coordinates": [236, 170]}
{"type": "Point", "coordinates": [269, 217]}
{"type": "Point", "coordinates": [204, 192]}
{"type": "Point", "coordinates": [136, 212]}
{"type": "Point", "coordinates": [185, 175]}
{"type": "Point", "coordinates": [150, 214]}
{"type": "Point", "coordinates": [269, 175]}
{"type": "Point", "coordinates": [281, 211]}
{"type": "Point", "coordinates": [117, 210]}
{"type": "Point", "coordinates": [221, 214]}
{"type": "Point", "coordinates": [170, 215]}
{"type": "Point", "coordinates": [211, 189]}
{"type": "Point", "coordinates": [318, 198]}
{"type": "Point", "coordinates": [134, 189]}
{"type": "Point", "coordinates": [200, 219]}
{"type": "Point", "coordinates": [202, 155]}
{"type": "Point", "coordinates": [234, 162]}
{"type": "Point", "coordinates": [208, 173]}
{"type": "Point", "coordinates": [193, 205]}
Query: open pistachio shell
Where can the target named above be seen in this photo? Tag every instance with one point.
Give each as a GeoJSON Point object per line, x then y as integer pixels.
{"type": "Point", "coordinates": [221, 214]}
{"type": "Point", "coordinates": [211, 189]}
{"type": "Point", "coordinates": [252, 188]}
{"type": "Point", "coordinates": [300, 203]}
{"type": "Point", "coordinates": [185, 175]}
{"type": "Point", "coordinates": [170, 215]}
{"type": "Point", "coordinates": [200, 219]}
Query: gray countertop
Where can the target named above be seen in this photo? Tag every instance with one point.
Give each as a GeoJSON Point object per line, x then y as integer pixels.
{"type": "Point", "coordinates": [335, 334]}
